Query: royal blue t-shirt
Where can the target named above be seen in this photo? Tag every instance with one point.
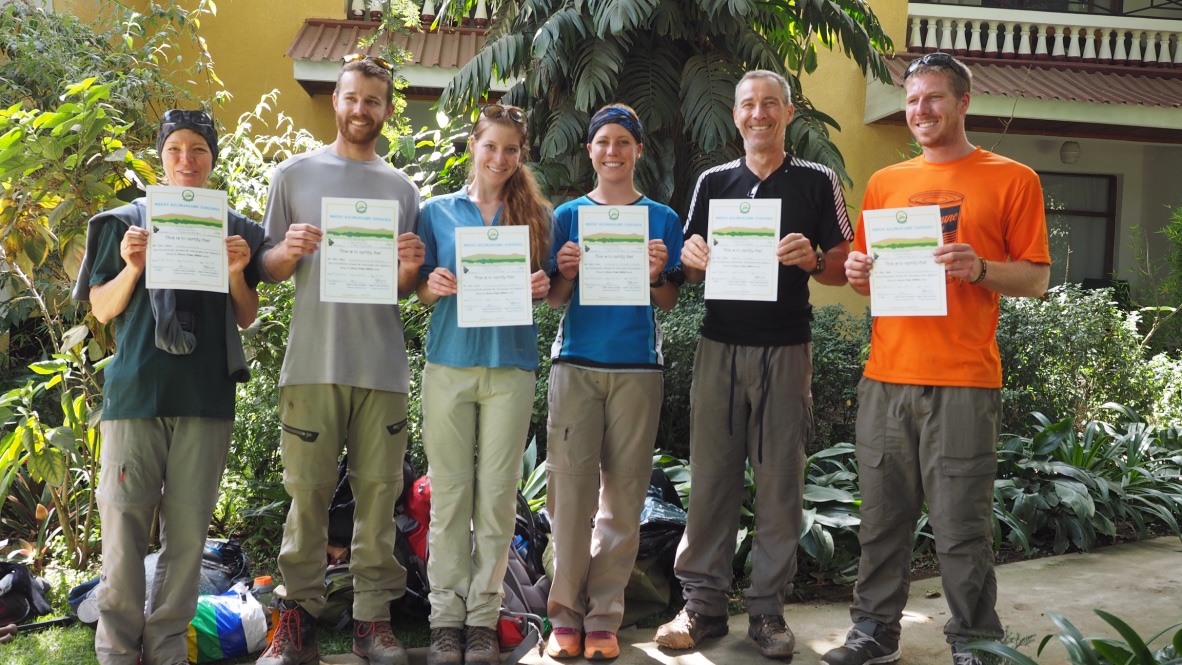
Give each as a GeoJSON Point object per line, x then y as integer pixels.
{"type": "Point", "coordinates": [609, 336]}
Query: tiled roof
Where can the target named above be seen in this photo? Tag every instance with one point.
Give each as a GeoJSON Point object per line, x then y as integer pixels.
{"type": "Point", "coordinates": [328, 39]}
{"type": "Point", "coordinates": [1068, 82]}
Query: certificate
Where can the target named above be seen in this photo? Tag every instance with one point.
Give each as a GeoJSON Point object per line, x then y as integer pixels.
{"type": "Point", "coordinates": [905, 279]}
{"type": "Point", "coordinates": [359, 251]}
{"type": "Point", "coordinates": [492, 271]}
{"type": "Point", "coordinates": [187, 239]}
{"type": "Point", "coordinates": [742, 239]}
{"type": "Point", "coordinates": [613, 268]}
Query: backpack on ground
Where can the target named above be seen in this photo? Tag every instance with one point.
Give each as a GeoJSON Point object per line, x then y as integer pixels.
{"type": "Point", "coordinates": [22, 595]}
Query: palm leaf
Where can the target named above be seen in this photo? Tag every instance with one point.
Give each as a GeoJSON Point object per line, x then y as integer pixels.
{"type": "Point", "coordinates": [595, 72]}
{"type": "Point", "coordinates": [707, 99]}
{"type": "Point", "coordinates": [649, 84]}
{"type": "Point", "coordinates": [613, 17]}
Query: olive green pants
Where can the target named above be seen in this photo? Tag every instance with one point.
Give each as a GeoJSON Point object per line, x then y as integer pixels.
{"type": "Point", "coordinates": [938, 443]}
{"type": "Point", "coordinates": [318, 421]}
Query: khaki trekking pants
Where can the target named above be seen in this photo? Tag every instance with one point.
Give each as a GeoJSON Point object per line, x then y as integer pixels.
{"type": "Point", "coordinates": [473, 464]}
{"type": "Point", "coordinates": [599, 449]}
{"type": "Point", "coordinates": [318, 421]}
{"type": "Point", "coordinates": [176, 464]}
{"type": "Point", "coordinates": [938, 443]}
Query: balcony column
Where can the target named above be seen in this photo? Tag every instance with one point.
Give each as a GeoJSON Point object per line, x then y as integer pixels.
{"type": "Point", "coordinates": [916, 44]}
{"type": "Point", "coordinates": [1119, 56]}
{"type": "Point", "coordinates": [975, 50]}
{"type": "Point", "coordinates": [1089, 49]}
{"type": "Point", "coordinates": [481, 14]}
{"type": "Point", "coordinates": [961, 44]}
{"type": "Point", "coordinates": [991, 41]}
{"type": "Point", "coordinates": [1073, 46]}
{"type": "Point", "coordinates": [946, 35]}
{"type": "Point", "coordinates": [1177, 51]}
{"type": "Point", "coordinates": [1163, 51]}
{"type": "Point", "coordinates": [1023, 42]}
{"type": "Point", "coordinates": [1007, 48]}
{"type": "Point", "coordinates": [1040, 47]}
{"type": "Point", "coordinates": [1135, 50]}
{"type": "Point", "coordinates": [427, 15]}
{"type": "Point", "coordinates": [1150, 49]}
{"type": "Point", "coordinates": [930, 45]}
{"type": "Point", "coordinates": [1058, 50]}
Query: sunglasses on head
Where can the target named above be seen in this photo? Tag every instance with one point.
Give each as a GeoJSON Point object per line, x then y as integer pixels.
{"type": "Point", "coordinates": [937, 59]}
{"type": "Point", "coordinates": [181, 115]}
{"type": "Point", "coordinates": [494, 111]}
{"type": "Point", "coordinates": [358, 57]}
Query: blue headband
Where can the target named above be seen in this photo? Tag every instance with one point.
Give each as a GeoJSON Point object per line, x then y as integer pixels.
{"type": "Point", "coordinates": [618, 116]}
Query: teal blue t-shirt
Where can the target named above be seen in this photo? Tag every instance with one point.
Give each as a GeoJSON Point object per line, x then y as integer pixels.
{"type": "Point", "coordinates": [447, 343]}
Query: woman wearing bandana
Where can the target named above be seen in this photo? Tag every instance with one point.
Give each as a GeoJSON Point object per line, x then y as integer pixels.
{"type": "Point", "coordinates": [606, 388]}
{"type": "Point", "coordinates": [168, 407]}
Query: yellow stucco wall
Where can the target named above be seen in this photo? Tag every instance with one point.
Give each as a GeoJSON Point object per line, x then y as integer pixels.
{"type": "Point", "coordinates": [838, 88]}
{"type": "Point", "coordinates": [247, 40]}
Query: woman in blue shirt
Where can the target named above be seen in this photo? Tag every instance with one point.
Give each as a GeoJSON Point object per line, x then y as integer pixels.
{"type": "Point", "coordinates": [474, 463]}
{"type": "Point", "coordinates": [606, 388]}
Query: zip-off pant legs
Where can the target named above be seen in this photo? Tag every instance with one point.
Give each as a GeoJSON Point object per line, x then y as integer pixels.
{"type": "Point", "coordinates": [601, 432]}
{"type": "Point", "coordinates": [176, 464]}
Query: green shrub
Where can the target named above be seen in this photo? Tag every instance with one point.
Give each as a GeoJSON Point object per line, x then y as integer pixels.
{"type": "Point", "coordinates": [1067, 354]}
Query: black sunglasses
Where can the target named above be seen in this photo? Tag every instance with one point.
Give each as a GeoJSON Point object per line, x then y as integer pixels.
{"type": "Point", "coordinates": [937, 59]}
{"type": "Point", "coordinates": [380, 62]}
{"type": "Point", "coordinates": [494, 111]}
{"type": "Point", "coordinates": [181, 115]}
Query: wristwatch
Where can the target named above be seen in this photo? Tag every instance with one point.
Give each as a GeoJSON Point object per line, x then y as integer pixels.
{"type": "Point", "coordinates": [659, 283]}
{"type": "Point", "coordinates": [820, 264]}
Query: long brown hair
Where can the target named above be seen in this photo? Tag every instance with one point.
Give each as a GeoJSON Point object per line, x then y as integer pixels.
{"type": "Point", "coordinates": [523, 204]}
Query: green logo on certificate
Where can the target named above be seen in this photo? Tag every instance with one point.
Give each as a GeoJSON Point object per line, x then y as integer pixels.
{"type": "Point", "coordinates": [493, 234]}
{"type": "Point", "coordinates": [613, 214]}
{"type": "Point", "coordinates": [901, 217]}
{"type": "Point", "coordinates": [744, 207]}
{"type": "Point", "coordinates": [361, 207]}
{"type": "Point", "coordinates": [188, 195]}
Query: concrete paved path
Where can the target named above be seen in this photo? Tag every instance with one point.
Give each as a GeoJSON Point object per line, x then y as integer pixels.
{"type": "Point", "coordinates": [1140, 583]}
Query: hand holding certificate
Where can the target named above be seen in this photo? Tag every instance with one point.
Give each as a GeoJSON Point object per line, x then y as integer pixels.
{"type": "Point", "coordinates": [614, 265]}
{"type": "Point", "coordinates": [905, 279]}
{"type": "Point", "coordinates": [187, 239]}
{"type": "Point", "coordinates": [492, 268]}
{"type": "Point", "coordinates": [359, 251]}
{"type": "Point", "coordinates": [742, 242]}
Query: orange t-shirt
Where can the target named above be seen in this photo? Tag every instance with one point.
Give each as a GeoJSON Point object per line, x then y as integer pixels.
{"type": "Point", "coordinates": [988, 201]}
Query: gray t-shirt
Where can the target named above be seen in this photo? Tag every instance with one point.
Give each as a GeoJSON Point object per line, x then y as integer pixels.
{"type": "Point", "coordinates": [337, 343]}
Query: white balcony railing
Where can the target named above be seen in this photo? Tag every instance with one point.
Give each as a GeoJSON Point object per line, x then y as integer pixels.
{"type": "Point", "coordinates": [1010, 34]}
{"type": "Point", "coordinates": [371, 10]}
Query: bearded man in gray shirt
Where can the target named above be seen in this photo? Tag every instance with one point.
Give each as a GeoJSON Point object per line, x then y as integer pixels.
{"type": "Point", "coordinates": [345, 378]}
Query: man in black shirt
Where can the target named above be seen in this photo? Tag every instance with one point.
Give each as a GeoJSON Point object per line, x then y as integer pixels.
{"type": "Point", "coordinates": [751, 396]}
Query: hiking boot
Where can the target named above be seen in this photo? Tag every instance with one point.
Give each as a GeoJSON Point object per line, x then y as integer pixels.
{"type": "Point", "coordinates": [772, 635]}
{"type": "Point", "coordinates": [601, 645]}
{"type": "Point", "coordinates": [447, 647]}
{"type": "Point", "coordinates": [865, 644]}
{"type": "Point", "coordinates": [962, 656]}
{"type": "Point", "coordinates": [294, 642]}
{"type": "Point", "coordinates": [375, 642]}
{"type": "Point", "coordinates": [688, 628]}
{"type": "Point", "coordinates": [481, 646]}
{"type": "Point", "coordinates": [564, 643]}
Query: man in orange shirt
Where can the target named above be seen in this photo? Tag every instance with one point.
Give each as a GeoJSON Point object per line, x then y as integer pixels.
{"type": "Point", "coordinates": [930, 400]}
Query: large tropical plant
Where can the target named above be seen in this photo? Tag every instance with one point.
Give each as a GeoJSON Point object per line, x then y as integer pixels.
{"type": "Point", "coordinates": [675, 61]}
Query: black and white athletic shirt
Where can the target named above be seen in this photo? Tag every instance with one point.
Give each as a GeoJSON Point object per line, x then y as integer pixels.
{"type": "Point", "coordinates": [811, 204]}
